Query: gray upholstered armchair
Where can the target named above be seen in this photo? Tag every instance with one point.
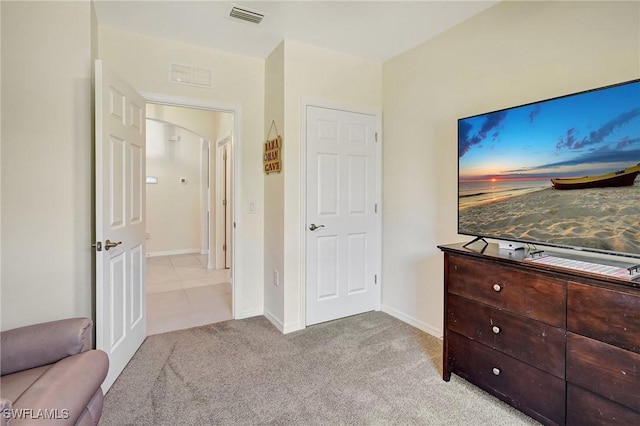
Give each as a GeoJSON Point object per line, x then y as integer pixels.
{"type": "Point", "coordinates": [48, 371]}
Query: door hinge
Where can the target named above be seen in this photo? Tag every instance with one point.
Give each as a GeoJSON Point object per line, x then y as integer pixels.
{"type": "Point", "coordinates": [375, 208]}
{"type": "Point", "coordinates": [224, 247]}
{"type": "Point", "coordinates": [224, 202]}
{"type": "Point", "coordinates": [376, 136]}
{"type": "Point", "coordinates": [375, 279]}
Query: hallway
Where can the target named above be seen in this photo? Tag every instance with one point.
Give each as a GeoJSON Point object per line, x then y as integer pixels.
{"type": "Point", "coordinates": [183, 293]}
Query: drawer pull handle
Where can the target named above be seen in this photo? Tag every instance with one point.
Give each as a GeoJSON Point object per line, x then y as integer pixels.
{"type": "Point", "coordinates": [497, 287]}
{"type": "Point", "coordinates": [496, 329]}
{"type": "Point", "coordinates": [496, 371]}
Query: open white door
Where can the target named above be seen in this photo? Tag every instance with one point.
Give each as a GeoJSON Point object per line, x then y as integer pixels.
{"type": "Point", "coordinates": [343, 232]}
{"type": "Point", "coordinates": [120, 228]}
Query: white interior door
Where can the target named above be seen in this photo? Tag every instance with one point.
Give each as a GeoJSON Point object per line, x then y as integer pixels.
{"type": "Point", "coordinates": [120, 226]}
{"type": "Point", "coordinates": [343, 233]}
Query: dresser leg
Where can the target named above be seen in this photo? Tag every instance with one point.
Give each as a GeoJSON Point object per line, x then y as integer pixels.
{"type": "Point", "coordinates": [446, 371]}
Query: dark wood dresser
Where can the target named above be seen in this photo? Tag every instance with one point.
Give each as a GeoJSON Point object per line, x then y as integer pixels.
{"type": "Point", "coordinates": [562, 346]}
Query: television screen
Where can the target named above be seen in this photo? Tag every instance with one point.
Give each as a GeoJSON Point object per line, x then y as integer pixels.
{"type": "Point", "coordinates": [560, 172]}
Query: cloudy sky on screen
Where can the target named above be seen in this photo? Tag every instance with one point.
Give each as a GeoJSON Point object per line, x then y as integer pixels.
{"type": "Point", "coordinates": [583, 134]}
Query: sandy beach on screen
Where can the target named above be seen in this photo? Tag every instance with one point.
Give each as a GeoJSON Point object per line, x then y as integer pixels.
{"type": "Point", "coordinates": [600, 218]}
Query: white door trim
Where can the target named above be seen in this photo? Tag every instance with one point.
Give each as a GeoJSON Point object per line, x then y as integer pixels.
{"type": "Point", "coordinates": [205, 196]}
{"type": "Point", "coordinates": [304, 104]}
{"type": "Point", "coordinates": [236, 173]}
{"type": "Point", "coordinates": [220, 255]}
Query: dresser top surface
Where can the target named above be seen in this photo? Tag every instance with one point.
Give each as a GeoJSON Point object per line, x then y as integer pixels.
{"type": "Point", "coordinates": [523, 257]}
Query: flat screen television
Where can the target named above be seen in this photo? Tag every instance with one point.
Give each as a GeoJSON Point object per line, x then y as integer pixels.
{"type": "Point", "coordinates": [559, 172]}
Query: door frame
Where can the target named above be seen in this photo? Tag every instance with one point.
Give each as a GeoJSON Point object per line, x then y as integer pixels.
{"type": "Point", "coordinates": [304, 104]}
{"type": "Point", "coordinates": [205, 197]}
{"type": "Point", "coordinates": [221, 189]}
{"type": "Point", "coordinates": [236, 175]}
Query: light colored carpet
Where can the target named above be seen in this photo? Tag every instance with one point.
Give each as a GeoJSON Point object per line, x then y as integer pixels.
{"type": "Point", "coordinates": [369, 369]}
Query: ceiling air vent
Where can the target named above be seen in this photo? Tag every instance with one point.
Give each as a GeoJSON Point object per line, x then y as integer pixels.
{"type": "Point", "coordinates": [246, 14]}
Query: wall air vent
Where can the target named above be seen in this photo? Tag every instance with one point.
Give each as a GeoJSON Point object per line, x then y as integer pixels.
{"type": "Point", "coordinates": [245, 14]}
{"type": "Point", "coordinates": [192, 76]}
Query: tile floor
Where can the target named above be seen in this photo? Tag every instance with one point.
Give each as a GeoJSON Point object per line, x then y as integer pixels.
{"type": "Point", "coordinates": [183, 293]}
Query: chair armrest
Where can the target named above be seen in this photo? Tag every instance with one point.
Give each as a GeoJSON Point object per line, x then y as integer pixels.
{"type": "Point", "coordinates": [66, 388]}
{"type": "Point", "coordinates": [41, 344]}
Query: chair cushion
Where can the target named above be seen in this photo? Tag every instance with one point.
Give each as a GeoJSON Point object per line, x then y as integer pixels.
{"type": "Point", "coordinates": [12, 386]}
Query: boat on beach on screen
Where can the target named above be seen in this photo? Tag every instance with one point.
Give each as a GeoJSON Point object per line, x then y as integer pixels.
{"type": "Point", "coordinates": [624, 177]}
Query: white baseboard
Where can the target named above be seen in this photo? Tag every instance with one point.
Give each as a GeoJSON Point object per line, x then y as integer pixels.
{"type": "Point", "coordinates": [275, 321]}
{"type": "Point", "coordinates": [282, 327]}
{"type": "Point", "coordinates": [248, 314]}
{"type": "Point", "coordinates": [290, 328]}
{"type": "Point", "coordinates": [421, 325]}
{"type": "Point", "coordinates": [173, 252]}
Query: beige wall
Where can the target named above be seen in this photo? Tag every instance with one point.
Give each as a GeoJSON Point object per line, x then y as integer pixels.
{"type": "Point", "coordinates": [318, 74]}
{"type": "Point", "coordinates": [47, 156]}
{"type": "Point", "coordinates": [213, 126]}
{"type": "Point", "coordinates": [514, 53]}
{"type": "Point", "coordinates": [174, 215]}
{"type": "Point", "coordinates": [1, 164]}
{"type": "Point", "coordinates": [200, 121]}
{"type": "Point", "coordinates": [274, 191]}
{"type": "Point", "coordinates": [238, 81]}
{"type": "Point", "coordinates": [224, 126]}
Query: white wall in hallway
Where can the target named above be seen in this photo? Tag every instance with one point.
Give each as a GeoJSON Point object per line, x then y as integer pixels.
{"type": "Point", "coordinates": [173, 207]}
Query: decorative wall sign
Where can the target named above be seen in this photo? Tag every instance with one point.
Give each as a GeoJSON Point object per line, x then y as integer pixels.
{"type": "Point", "coordinates": [272, 158]}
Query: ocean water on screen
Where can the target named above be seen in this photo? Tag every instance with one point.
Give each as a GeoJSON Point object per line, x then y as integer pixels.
{"type": "Point", "coordinates": [481, 192]}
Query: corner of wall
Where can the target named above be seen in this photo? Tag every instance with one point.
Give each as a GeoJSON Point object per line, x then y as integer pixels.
{"type": "Point", "coordinates": [274, 273]}
{"type": "Point", "coordinates": [1, 168]}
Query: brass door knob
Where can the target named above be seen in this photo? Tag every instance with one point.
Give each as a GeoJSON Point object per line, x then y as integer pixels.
{"type": "Point", "coordinates": [109, 244]}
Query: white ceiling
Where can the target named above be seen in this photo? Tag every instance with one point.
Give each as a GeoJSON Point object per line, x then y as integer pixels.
{"type": "Point", "coordinates": [377, 30]}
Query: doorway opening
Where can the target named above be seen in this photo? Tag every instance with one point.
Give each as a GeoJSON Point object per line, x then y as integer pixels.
{"type": "Point", "coordinates": [188, 199]}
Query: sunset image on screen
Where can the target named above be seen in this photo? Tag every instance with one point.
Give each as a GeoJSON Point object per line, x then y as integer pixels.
{"type": "Point", "coordinates": [555, 171]}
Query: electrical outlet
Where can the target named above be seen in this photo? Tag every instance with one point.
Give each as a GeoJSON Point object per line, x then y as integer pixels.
{"type": "Point", "coordinates": [276, 278]}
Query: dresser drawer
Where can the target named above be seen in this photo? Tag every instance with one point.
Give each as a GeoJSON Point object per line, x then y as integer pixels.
{"type": "Point", "coordinates": [533, 295]}
{"type": "Point", "coordinates": [533, 342]}
{"type": "Point", "coordinates": [588, 409]}
{"type": "Point", "coordinates": [528, 389]}
{"type": "Point", "coordinates": [608, 315]}
{"type": "Point", "coordinates": [604, 369]}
